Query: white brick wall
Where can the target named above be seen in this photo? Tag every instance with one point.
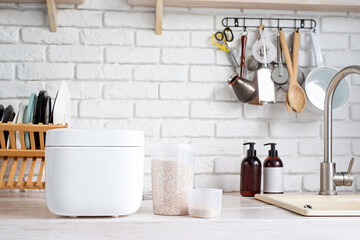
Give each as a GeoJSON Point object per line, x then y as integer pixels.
{"type": "Point", "coordinates": [9, 34]}
{"type": "Point", "coordinates": [172, 86]}
{"type": "Point", "coordinates": [75, 54]}
{"type": "Point", "coordinates": [187, 56]}
{"type": "Point", "coordinates": [75, 18]}
{"type": "Point", "coordinates": [15, 17]}
{"type": "Point", "coordinates": [147, 38]}
{"type": "Point", "coordinates": [103, 71]}
{"type": "Point", "coordinates": [45, 71]}
{"type": "Point", "coordinates": [132, 55]}
{"type": "Point", "coordinates": [106, 37]}
{"type": "Point", "coordinates": [42, 35]}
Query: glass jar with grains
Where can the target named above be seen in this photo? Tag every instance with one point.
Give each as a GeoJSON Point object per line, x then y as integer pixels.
{"type": "Point", "coordinates": [172, 171]}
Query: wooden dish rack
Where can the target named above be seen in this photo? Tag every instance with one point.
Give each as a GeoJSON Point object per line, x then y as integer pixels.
{"type": "Point", "coordinates": [27, 155]}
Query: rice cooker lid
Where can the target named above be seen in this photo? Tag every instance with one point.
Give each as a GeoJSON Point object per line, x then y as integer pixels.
{"type": "Point", "coordinates": [94, 138]}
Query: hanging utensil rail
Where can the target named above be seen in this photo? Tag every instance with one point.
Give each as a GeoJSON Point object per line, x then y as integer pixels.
{"type": "Point", "coordinates": [284, 23]}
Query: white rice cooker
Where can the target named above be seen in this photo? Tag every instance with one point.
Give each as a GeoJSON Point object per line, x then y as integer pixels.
{"type": "Point", "coordinates": [92, 172]}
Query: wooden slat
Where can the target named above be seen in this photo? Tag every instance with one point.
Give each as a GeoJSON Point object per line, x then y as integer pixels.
{"type": "Point", "coordinates": [29, 127]}
{"type": "Point", "coordinates": [23, 185]}
{"type": "Point", "coordinates": [32, 140]}
{"type": "Point", "coordinates": [22, 170]}
{"type": "Point", "coordinates": [2, 140]}
{"type": "Point", "coordinates": [12, 139]}
{"type": "Point", "coordinates": [314, 5]}
{"type": "Point", "coordinates": [2, 169]}
{"type": "Point", "coordinates": [43, 1]}
{"type": "Point", "coordinates": [40, 174]}
{"type": "Point", "coordinates": [12, 172]}
{"type": "Point", "coordinates": [22, 140]}
{"type": "Point", "coordinates": [42, 140]}
{"type": "Point", "coordinates": [52, 13]}
{"type": "Point", "coordinates": [22, 153]}
{"type": "Point", "coordinates": [31, 172]}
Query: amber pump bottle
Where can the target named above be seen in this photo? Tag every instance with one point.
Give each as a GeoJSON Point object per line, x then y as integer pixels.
{"type": "Point", "coordinates": [273, 172]}
{"type": "Point", "coordinates": [250, 179]}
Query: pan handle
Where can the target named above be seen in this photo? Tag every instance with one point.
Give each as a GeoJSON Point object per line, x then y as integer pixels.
{"type": "Point", "coordinates": [243, 49]}
{"type": "Point", "coordinates": [243, 52]}
{"type": "Point", "coordinates": [317, 49]}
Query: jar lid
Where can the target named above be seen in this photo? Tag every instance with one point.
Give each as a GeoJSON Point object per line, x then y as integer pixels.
{"type": "Point", "coordinates": [171, 147]}
{"type": "Point", "coordinates": [69, 137]}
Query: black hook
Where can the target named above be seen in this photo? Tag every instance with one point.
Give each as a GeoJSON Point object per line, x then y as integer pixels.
{"type": "Point", "coordinates": [278, 23]}
{"type": "Point", "coordinates": [236, 22]}
{"type": "Point", "coordinates": [313, 21]}
{"type": "Point", "coordinates": [224, 20]}
{"type": "Point", "coordinates": [302, 23]}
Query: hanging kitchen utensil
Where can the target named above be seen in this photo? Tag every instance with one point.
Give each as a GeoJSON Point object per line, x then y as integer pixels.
{"type": "Point", "coordinates": [252, 64]}
{"type": "Point", "coordinates": [279, 75]}
{"type": "Point", "coordinates": [296, 95]}
{"type": "Point", "coordinates": [223, 38]}
{"type": "Point", "coordinates": [243, 53]}
{"type": "Point", "coordinates": [266, 87]}
{"type": "Point", "coordinates": [295, 55]}
{"type": "Point", "coordinates": [300, 79]}
{"type": "Point", "coordinates": [319, 79]}
{"type": "Point", "coordinates": [245, 90]}
{"type": "Point", "coordinates": [263, 50]}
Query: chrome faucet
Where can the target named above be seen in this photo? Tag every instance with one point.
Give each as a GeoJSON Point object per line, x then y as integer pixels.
{"type": "Point", "coordinates": [329, 178]}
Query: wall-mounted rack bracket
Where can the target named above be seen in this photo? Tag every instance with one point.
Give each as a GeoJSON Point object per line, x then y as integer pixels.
{"type": "Point", "coordinates": [51, 7]}
{"type": "Point", "coordinates": [159, 16]}
{"type": "Point", "coordinates": [314, 5]}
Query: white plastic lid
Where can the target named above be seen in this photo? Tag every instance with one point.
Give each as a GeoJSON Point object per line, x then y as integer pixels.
{"type": "Point", "coordinates": [171, 147]}
{"type": "Point", "coordinates": [94, 138]}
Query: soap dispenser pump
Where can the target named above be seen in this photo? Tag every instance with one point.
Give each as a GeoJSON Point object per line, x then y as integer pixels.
{"type": "Point", "coordinates": [273, 172]}
{"type": "Point", "coordinates": [250, 179]}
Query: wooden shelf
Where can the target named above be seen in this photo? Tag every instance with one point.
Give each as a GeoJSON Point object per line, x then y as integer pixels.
{"type": "Point", "coordinates": [43, 1]}
{"type": "Point", "coordinates": [313, 5]}
{"type": "Point", "coordinates": [51, 6]}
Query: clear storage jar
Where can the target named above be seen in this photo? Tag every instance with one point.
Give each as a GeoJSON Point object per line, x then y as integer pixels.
{"type": "Point", "coordinates": [205, 203]}
{"type": "Point", "coordinates": [172, 170]}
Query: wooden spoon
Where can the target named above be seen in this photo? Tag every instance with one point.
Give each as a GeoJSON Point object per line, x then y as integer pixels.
{"type": "Point", "coordinates": [295, 61]}
{"type": "Point", "coordinates": [296, 94]}
{"type": "Point", "coordinates": [287, 103]}
{"type": "Point", "coordinates": [295, 56]}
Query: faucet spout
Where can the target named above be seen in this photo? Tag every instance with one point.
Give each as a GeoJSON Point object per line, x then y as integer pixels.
{"type": "Point", "coordinates": [328, 168]}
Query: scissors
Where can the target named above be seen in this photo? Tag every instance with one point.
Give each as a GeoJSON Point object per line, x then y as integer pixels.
{"type": "Point", "coordinates": [224, 37]}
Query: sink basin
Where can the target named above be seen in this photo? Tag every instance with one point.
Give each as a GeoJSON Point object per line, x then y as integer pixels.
{"type": "Point", "coordinates": [312, 204]}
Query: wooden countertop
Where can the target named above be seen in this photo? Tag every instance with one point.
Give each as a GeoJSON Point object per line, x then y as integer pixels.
{"type": "Point", "coordinates": [25, 216]}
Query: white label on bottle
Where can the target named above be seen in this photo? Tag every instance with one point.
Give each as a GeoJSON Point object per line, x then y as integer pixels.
{"type": "Point", "coordinates": [273, 180]}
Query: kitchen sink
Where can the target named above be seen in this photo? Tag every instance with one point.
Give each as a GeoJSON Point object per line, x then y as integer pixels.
{"type": "Point", "coordinates": [313, 204]}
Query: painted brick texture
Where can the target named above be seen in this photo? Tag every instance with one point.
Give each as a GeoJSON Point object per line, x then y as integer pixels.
{"type": "Point", "coordinates": [173, 86]}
